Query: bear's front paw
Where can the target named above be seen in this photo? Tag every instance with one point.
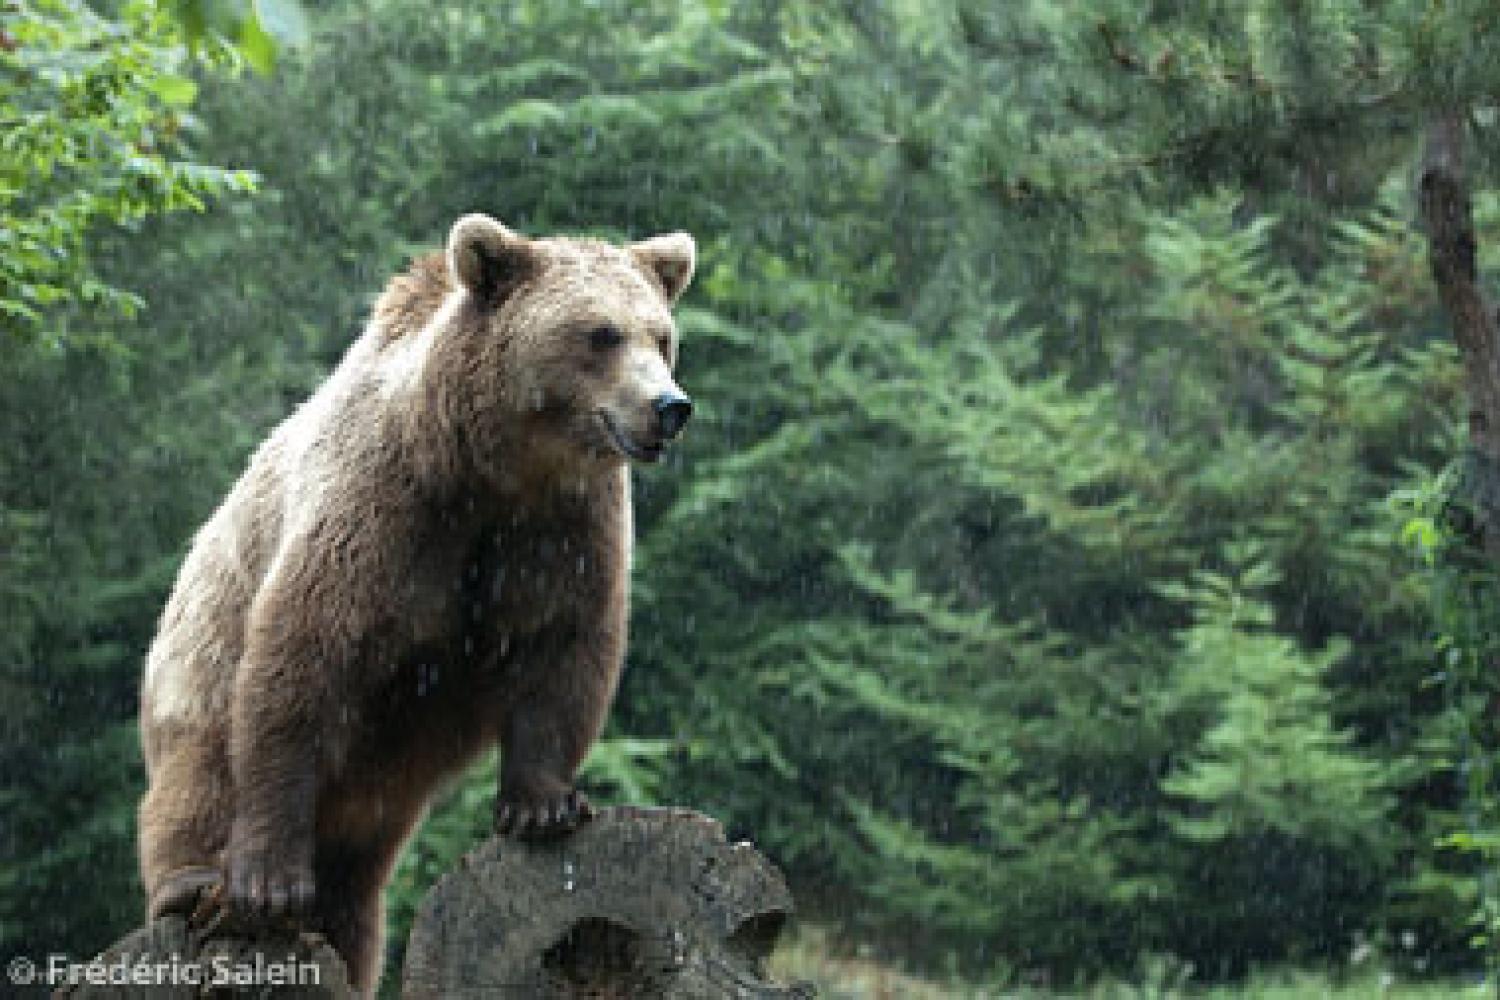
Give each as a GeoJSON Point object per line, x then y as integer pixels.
{"type": "Point", "coordinates": [265, 884]}
{"type": "Point", "coordinates": [542, 815]}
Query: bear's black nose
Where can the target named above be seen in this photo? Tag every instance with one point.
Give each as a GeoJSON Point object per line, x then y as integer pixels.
{"type": "Point", "coordinates": [672, 412]}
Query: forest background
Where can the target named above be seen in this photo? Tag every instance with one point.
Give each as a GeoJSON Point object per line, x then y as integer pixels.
{"type": "Point", "coordinates": [1066, 572]}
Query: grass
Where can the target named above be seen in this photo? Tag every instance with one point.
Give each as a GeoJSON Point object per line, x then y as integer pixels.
{"type": "Point", "coordinates": [810, 955]}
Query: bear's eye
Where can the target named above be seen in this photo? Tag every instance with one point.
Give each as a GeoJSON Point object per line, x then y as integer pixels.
{"type": "Point", "coordinates": [602, 338]}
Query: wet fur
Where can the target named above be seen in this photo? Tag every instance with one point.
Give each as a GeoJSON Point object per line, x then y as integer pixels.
{"type": "Point", "coordinates": [428, 558]}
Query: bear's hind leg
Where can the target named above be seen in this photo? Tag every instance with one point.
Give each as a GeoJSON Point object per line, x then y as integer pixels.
{"type": "Point", "coordinates": [184, 822]}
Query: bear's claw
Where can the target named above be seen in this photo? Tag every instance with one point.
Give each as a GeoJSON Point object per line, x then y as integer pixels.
{"type": "Point", "coordinates": [259, 889]}
{"type": "Point", "coordinates": [546, 817]}
{"type": "Point", "coordinates": [184, 891]}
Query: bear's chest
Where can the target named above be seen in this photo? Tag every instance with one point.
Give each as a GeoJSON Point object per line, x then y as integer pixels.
{"type": "Point", "coordinates": [517, 580]}
{"type": "Point", "coordinates": [478, 590]}
{"type": "Point", "coordinates": [526, 582]}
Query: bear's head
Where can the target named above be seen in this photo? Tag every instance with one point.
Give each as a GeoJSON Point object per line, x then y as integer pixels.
{"type": "Point", "coordinates": [570, 342]}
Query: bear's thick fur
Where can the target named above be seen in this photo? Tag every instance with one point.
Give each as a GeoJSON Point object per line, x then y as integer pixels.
{"type": "Point", "coordinates": [428, 557]}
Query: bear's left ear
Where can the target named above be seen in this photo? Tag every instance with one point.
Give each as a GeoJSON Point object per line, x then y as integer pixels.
{"type": "Point", "coordinates": [487, 258]}
{"type": "Point", "coordinates": [671, 258]}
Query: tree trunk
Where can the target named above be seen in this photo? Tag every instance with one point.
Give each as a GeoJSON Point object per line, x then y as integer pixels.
{"type": "Point", "coordinates": [637, 903]}
{"type": "Point", "coordinates": [1447, 217]}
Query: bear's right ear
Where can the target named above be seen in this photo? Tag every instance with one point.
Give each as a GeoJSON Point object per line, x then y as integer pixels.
{"type": "Point", "coordinates": [487, 258]}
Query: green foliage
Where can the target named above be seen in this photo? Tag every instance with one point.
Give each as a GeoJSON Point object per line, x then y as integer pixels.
{"type": "Point", "coordinates": [255, 28]}
{"type": "Point", "coordinates": [1464, 743]}
{"type": "Point", "coordinates": [93, 110]}
{"type": "Point", "coordinates": [1003, 637]}
{"type": "Point", "coordinates": [1269, 760]}
{"type": "Point", "coordinates": [99, 431]}
{"type": "Point", "coordinates": [1270, 791]}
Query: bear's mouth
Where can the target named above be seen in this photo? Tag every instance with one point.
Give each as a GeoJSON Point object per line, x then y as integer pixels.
{"type": "Point", "coordinates": [627, 447]}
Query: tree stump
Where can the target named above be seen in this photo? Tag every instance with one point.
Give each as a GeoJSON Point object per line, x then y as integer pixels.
{"type": "Point", "coordinates": [165, 960]}
{"type": "Point", "coordinates": [637, 903]}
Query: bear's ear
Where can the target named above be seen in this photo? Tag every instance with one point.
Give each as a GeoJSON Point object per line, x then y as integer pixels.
{"type": "Point", "coordinates": [487, 258]}
{"type": "Point", "coordinates": [670, 258]}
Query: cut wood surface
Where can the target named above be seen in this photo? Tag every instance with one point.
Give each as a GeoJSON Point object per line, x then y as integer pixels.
{"type": "Point", "coordinates": [637, 903]}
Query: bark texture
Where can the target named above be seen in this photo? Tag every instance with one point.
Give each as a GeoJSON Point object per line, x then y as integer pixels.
{"type": "Point", "coordinates": [637, 903]}
{"type": "Point", "coordinates": [1448, 218]}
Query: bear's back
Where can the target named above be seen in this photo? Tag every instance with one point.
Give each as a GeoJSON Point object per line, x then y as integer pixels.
{"type": "Point", "coordinates": [288, 482]}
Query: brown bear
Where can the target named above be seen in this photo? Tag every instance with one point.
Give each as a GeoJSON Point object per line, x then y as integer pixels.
{"type": "Point", "coordinates": [427, 558]}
